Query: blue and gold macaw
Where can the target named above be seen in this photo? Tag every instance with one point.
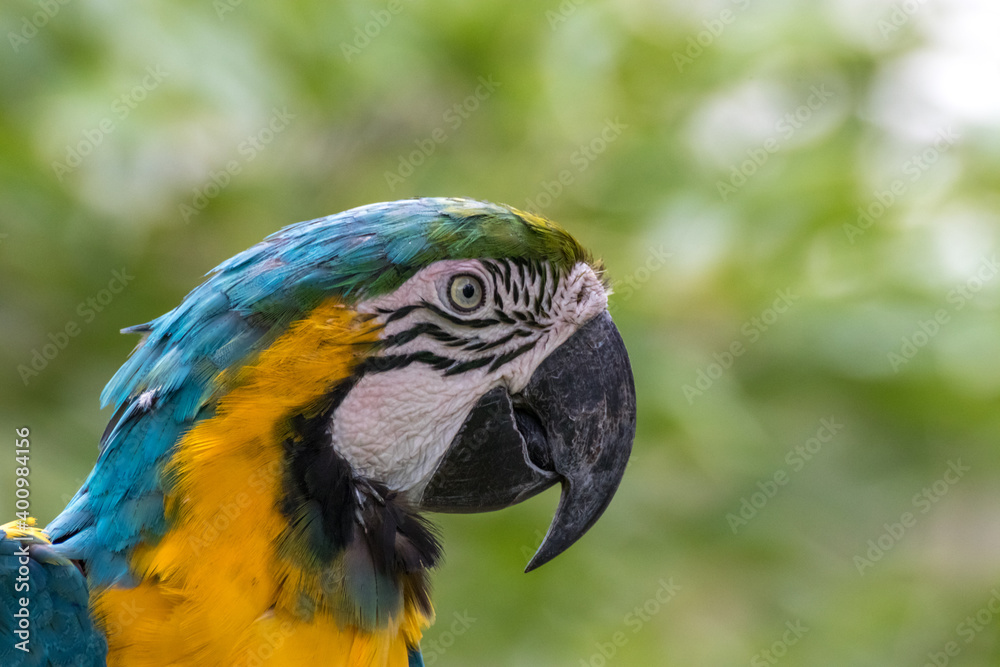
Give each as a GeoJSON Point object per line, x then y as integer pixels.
{"type": "Point", "coordinates": [259, 494]}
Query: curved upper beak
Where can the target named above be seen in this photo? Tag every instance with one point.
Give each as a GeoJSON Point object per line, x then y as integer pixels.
{"type": "Point", "coordinates": [573, 423]}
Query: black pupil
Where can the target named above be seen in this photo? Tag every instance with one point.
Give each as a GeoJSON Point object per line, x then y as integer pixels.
{"type": "Point", "coordinates": [468, 290]}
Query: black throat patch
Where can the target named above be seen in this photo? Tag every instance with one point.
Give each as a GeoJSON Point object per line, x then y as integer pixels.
{"type": "Point", "coordinates": [370, 548]}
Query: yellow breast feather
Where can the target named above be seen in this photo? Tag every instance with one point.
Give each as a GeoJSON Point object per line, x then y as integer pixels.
{"type": "Point", "coordinates": [217, 589]}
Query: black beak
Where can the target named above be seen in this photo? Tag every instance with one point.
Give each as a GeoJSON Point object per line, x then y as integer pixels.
{"type": "Point", "coordinates": [573, 423]}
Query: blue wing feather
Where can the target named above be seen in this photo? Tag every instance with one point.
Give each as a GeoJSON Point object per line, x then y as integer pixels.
{"type": "Point", "coordinates": [415, 658]}
{"type": "Point", "coordinates": [59, 628]}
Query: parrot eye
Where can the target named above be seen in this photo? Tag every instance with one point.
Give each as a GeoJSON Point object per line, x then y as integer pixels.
{"type": "Point", "coordinates": [466, 293]}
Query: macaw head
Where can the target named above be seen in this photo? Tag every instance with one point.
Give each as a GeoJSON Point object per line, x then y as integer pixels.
{"type": "Point", "coordinates": [442, 355]}
{"type": "Point", "coordinates": [496, 376]}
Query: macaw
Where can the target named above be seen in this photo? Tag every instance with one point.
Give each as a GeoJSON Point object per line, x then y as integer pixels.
{"type": "Point", "coordinates": [260, 490]}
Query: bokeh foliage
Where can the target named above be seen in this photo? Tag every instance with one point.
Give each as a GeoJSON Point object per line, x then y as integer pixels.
{"type": "Point", "coordinates": [659, 132]}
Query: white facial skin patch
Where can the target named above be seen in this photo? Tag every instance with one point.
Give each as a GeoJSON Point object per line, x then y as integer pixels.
{"type": "Point", "coordinates": [395, 425]}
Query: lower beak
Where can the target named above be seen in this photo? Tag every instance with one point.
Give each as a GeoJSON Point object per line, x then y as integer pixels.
{"type": "Point", "coordinates": [573, 423]}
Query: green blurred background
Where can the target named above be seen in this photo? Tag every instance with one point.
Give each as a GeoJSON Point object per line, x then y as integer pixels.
{"type": "Point", "coordinates": [796, 199]}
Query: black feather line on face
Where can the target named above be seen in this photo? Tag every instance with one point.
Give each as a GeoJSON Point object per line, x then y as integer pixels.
{"type": "Point", "coordinates": [482, 347]}
{"type": "Point", "coordinates": [504, 317]}
{"type": "Point", "coordinates": [506, 275]}
{"type": "Point", "coordinates": [465, 322]}
{"type": "Point", "coordinates": [522, 268]}
{"type": "Point", "coordinates": [513, 354]}
{"type": "Point", "coordinates": [421, 329]}
{"type": "Point", "coordinates": [400, 313]}
{"type": "Point", "coordinates": [393, 361]}
{"type": "Point", "coordinates": [496, 276]}
{"type": "Point", "coordinates": [466, 366]}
